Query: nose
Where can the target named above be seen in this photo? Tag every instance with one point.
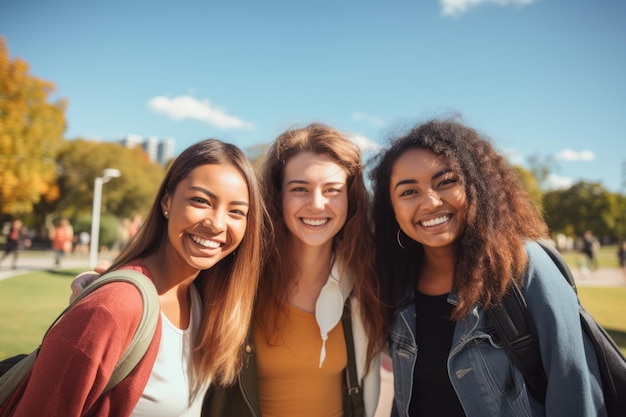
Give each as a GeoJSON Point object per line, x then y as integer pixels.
{"type": "Point", "coordinates": [317, 200]}
{"type": "Point", "coordinates": [431, 200]}
{"type": "Point", "coordinates": [216, 220]}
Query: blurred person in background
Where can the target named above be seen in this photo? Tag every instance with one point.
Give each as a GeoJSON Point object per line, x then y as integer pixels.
{"type": "Point", "coordinates": [621, 256]}
{"type": "Point", "coordinates": [15, 240]}
{"type": "Point", "coordinates": [62, 237]}
{"type": "Point", "coordinates": [589, 247]}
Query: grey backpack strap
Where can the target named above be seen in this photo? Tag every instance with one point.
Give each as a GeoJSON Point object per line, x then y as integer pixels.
{"type": "Point", "coordinates": [147, 326]}
{"type": "Point", "coordinates": [14, 376]}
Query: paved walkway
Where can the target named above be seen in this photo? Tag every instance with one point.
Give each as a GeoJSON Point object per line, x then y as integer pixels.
{"type": "Point", "coordinates": [600, 278]}
{"type": "Point", "coordinates": [41, 261]}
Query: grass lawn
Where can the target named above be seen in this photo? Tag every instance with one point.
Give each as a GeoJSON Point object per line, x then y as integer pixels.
{"type": "Point", "coordinates": [608, 306]}
{"type": "Point", "coordinates": [30, 302]}
{"type": "Point", "coordinates": [28, 305]}
{"type": "Point", "coordinates": [607, 257]}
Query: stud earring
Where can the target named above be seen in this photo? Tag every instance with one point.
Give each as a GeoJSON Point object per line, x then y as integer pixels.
{"type": "Point", "coordinates": [398, 239]}
{"type": "Point", "coordinates": [166, 213]}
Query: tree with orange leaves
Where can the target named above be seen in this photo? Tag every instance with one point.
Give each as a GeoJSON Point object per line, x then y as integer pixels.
{"type": "Point", "coordinates": [31, 132]}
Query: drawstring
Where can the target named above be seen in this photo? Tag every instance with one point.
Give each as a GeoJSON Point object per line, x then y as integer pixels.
{"type": "Point", "coordinates": [323, 352]}
{"type": "Point", "coordinates": [328, 311]}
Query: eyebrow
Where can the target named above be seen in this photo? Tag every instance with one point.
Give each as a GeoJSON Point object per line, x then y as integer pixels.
{"type": "Point", "coordinates": [437, 175]}
{"type": "Point", "coordinates": [307, 182]}
{"type": "Point", "coordinates": [215, 197]}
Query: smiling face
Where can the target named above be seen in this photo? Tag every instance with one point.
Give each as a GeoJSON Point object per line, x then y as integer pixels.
{"type": "Point", "coordinates": [314, 198]}
{"type": "Point", "coordinates": [428, 199]}
{"type": "Point", "coordinates": [207, 216]}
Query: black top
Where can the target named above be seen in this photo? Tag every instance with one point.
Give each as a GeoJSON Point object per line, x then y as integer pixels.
{"type": "Point", "coordinates": [432, 393]}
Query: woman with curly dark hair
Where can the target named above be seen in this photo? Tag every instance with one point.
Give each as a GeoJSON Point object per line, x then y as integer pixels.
{"type": "Point", "coordinates": [454, 231]}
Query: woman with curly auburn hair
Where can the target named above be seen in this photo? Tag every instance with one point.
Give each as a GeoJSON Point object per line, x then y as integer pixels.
{"type": "Point", "coordinates": [322, 257]}
{"type": "Point", "coordinates": [454, 230]}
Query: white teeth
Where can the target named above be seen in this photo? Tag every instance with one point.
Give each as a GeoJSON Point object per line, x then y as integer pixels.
{"type": "Point", "coordinates": [315, 222]}
{"type": "Point", "coordinates": [436, 221]}
{"type": "Point", "coordinates": [205, 242]}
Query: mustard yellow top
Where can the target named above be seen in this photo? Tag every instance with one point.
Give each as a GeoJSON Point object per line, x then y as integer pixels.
{"type": "Point", "coordinates": [291, 383]}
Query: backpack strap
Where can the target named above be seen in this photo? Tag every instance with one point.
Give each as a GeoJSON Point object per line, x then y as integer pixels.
{"type": "Point", "coordinates": [559, 262]}
{"type": "Point", "coordinates": [137, 348]}
{"type": "Point", "coordinates": [516, 331]}
{"type": "Point", "coordinates": [354, 392]}
{"type": "Point", "coordinates": [147, 325]}
{"type": "Point", "coordinates": [519, 337]}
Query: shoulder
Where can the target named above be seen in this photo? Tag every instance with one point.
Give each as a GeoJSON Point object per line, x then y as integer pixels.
{"type": "Point", "coordinates": [538, 258]}
{"type": "Point", "coordinates": [107, 317]}
{"type": "Point", "coordinates": [118, 299]}
{"type": "Point", "coordinates": [543, 279]}
{"type": "Point", "coordinates": [116, 304]}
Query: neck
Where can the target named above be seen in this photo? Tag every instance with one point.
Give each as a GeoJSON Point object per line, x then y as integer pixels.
{"type": "Point", "coordinates": [172, 281]}
{"type": "Point", "coordinates": [168, 274]}
{"type": "Point", "coordinates": [313, 262]}
{"type": "Point", "coordinates": [313, 269]}
{"type": "Point", "coordinates": [437, 274]}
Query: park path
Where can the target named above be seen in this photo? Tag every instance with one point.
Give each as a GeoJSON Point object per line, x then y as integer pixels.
{"type": "Point", "coordinates": [41, 261]}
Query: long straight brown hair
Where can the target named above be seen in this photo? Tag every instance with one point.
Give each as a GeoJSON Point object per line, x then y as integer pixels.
{"type": "Point", "coordinates": [228, 288]}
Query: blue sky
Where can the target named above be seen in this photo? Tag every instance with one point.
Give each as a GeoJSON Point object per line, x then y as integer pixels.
{"type": "Point", "coordinates": [539, 77]}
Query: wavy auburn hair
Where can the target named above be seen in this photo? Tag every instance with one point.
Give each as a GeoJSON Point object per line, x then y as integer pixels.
{"type": "Point", "coordinates": [228, 288]}
{"type": "Point", "coordinates": [500, 217]}
{"type": "Point", "coordinates": [353, 245]}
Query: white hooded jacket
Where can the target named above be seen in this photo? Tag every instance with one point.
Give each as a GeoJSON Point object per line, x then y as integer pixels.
{"type": "Point", "coordinates": [328, 312]}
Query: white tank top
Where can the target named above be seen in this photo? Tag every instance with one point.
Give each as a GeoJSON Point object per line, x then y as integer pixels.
{"type": "Point", "coordinates": [168, 390]}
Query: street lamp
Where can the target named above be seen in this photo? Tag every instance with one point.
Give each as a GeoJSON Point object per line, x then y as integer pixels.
{"type": "Point", "coordinates": [107, 174]}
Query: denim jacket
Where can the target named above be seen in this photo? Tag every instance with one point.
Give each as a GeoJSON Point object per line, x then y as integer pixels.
{"type": "Point", "coordinates": [486, 382]}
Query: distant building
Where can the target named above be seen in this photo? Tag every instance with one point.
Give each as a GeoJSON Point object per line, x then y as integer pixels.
{"type": "Point", "coordinates": [165, 151]}
{"type": "Point", "coordinates": [158, 150]}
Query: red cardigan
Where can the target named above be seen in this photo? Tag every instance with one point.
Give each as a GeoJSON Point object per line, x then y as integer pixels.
{"type": "Point", "coordinates": [78, 356]}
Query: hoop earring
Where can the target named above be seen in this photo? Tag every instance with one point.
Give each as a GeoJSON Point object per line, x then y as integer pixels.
{"type": "Point", "coordinates": [398, 239]}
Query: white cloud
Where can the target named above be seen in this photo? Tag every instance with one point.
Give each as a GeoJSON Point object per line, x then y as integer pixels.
{"type": "Point", "coordinates": [571, 155]}
{"type": "Point", "coordinates": [555, 182]}
{"type": "Point", "coordinates": [457, 7]}
{"type": "Point", "coordinates": [188, 107]}
{"type": "Point", "coordinates": [366, 144]}
{"type": "Point", "coordinates": [373, 120]}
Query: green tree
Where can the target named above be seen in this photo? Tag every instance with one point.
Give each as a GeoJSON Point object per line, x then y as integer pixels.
{"type": "Point", "coordinates": [531, 185]}
{"type": "Point", "coordinates": [584, 206]}
{"type": "Point", "coordinates": [31, 132]}
{"type": "Point", "coordinates": [81, 161]}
